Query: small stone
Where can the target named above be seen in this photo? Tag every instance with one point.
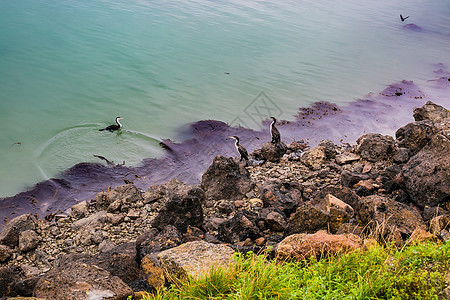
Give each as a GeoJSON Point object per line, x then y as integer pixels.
{"type": "Point", "coordinates": [5, 253]}
{"type": "Point", "coordinates": [346, 157]}
{"type": "Point", "coordinates": [255, 201]}
{"type": "Point", "coordinates": [260, 241]}
{"type": "Point", "coordinates": [238, 203]}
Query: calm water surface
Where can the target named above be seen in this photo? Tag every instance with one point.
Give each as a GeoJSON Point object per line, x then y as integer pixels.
{"type": "Point", "coordinates": [68, 68]}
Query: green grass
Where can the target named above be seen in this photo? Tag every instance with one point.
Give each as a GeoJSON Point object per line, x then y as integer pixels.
{"type": "Point", "coordinates": [414, 272]}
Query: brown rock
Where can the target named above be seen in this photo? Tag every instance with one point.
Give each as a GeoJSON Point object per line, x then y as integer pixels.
{"type": "Point", "coordinates": [420, 235]}
{"type": "Point", "coordinates": [375, 147]}
{"type": "Point", "coordinates": [28, 240]}
{"type": "Point", "coordinates": [80, 210]}
{"type": "Point", "coordinates": [414, 136]}
{"type": "Point", "coordinates": [260, 241]}
{"type": "Point", "coordinates": [225, 179]}
{"type": "Point", "coordinates": [153, 274]}
{"type": "Point", "coordinates": [347, 157]}
{"type": "Point", "coordinates": [270, 152]}
{"type": "Point", "coordinates": [118, 198]}
{"type": "Point", "coordinates": [387, 217]}
{"type": "Point", "coordinates": [193, 259]}
{"type": "Point", "coordinates": [426, 176]}
{"type": "Point", "coordinates": [314, 158]}
{"type": "Point", "coordinates": [439, 223]}
{"type": "Point", "coordinates": [9, 236]}
{"type": "Point", "coordinates": [320, 244]}
{"type": "Point", "coordinates": [5, 253]}
{"type": "Point", "coordinates": [81, 281]}
{"type": "Point", "coordinates": [431, 111]}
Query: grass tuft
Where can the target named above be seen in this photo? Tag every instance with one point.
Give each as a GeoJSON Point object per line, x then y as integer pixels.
{"type": "Point", "coordinates": [382, 272]}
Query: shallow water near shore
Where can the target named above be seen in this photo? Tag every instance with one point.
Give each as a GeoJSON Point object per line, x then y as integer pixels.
{"type": "Point", "coordinates": [68, 68]}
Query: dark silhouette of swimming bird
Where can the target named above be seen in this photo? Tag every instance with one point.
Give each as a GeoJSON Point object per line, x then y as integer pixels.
{"type": "Point", "coordinates": [274, 133]}
{"type": "Point", "coordinates": [114, 127]}
{"type": "Point", "coordinates": [242, 151]}
{"type": "Point", "coordinates": [403, 19]}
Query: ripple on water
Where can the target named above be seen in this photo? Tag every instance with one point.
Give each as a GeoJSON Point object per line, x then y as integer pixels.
{"type": "Point", "coordinates": [65, 149]}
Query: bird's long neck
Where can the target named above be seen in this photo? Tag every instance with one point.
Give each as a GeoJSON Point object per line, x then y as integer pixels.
{"type": "Point", "coordinates": [236, 143]}
{"type": "Point", "coordinates": [118, 122]}
{"type": "Point", "coordinates": [271, 126]}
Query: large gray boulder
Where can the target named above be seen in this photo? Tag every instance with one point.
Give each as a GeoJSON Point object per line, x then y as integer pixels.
{"type": "Point", "coordinates": [226, 179]}
{"type": "Point", "coordinates": [10, 233]}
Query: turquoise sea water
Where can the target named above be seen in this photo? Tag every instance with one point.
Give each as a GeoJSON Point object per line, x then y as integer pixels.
{"type": "Point", "coordinates": [68, 68]}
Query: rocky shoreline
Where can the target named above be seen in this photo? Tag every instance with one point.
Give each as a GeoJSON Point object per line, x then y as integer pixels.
{"type": "Point", "coordinates": [292, 200]}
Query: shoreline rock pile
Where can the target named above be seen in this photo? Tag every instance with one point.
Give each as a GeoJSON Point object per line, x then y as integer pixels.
{"type": "Point", "coordinates": [127, 241]}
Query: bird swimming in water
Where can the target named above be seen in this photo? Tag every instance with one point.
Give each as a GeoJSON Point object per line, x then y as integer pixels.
{"type": "Point", "coordinates": [403, 19]}
{"type": "Point", "coordinates": [115, 127]}
{"type": "Point", "coordinates": [242, 151]}
{"type": "Point", "coordinates": [276, 137]}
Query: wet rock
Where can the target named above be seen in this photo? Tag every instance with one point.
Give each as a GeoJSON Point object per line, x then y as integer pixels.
{"type": "Point", "coordinates": [386, 217]}
{"type": "Point", "coordinates": [320, 244]}
{"type": "Point", "coordinates": [28, 240]}
{"type": "Point", "coordinates": [270, 152]}
{"type": "Point", "coordinates": [193, 259]}
{"type": "Point", "coordinates": [225, 179]}
{"type": "Point", "coordinates": [81, 281]}
{"type": "Point", "coordinates": [431, 111]}
{"type": "Point", "coordinates": [153, 241]}
{"type": "Point", "coordinates": [414, 136]}
{"type": "Point", "coordinates": [349, 179]}
{"type": "Point", "coordinates": [243, 225]}
{"type": "Point", "coordinates": [9, 236]}
{"type": "Point", "coordinates": [181, 211]}
{"type": "Point", "coordinates": [5, 253]}
{"type": "Point", "coordinates": [90, 223]}
{"type": "Point", "coordinates": [347, 157]}
{"type": "Point", "coordinates": [119, 198]}
{"type": "Point", "coordinates": [426, 176]}
{"type": "Point", "coordinates": [375, 147]}
{"type": "Point", "coordinates": [281, 195]}
{"type": "Point", "coordinates": [80, 210]}
{"type": "Point", "coordinates": [329, 148]}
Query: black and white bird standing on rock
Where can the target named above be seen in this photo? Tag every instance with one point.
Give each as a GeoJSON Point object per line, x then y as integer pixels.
{"type": "Point", "coordinates": [242, 151]}
{"type": "Point", "coordinates": [276, 138]}
{"type": "Point", "coordinates": [403, 18]}
{"type": "Point", "coordinates": [115, 127]}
